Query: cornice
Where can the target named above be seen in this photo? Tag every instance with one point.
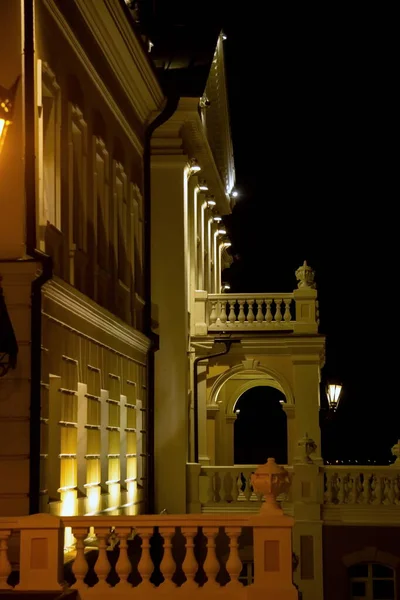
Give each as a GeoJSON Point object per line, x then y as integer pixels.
{"type": "Point", "coordinates": [67, 32]}
{"type": "Point", "coordinates": [124, 52]}
{"type": "Point", "coordinates": [186, 125]}
{"type": "Point", "coordinates": [303, 347]}
{"type": "Point", "coordinates": [91, 313]}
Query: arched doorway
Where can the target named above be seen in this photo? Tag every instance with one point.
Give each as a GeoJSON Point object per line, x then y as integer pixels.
{"type": "Point", "coordinates": [260, 429]}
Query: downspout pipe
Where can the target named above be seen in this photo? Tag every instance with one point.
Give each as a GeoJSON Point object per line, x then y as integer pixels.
{"type": "Point", "coordinates": [31, 250]}
{"type": "Point", "coordinates": [167, 112]}
{"type": "Point", "coordinates": [227, 342]}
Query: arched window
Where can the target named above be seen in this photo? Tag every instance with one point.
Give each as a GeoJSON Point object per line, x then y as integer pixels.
{"type": "Point", "coordinates": [372, 581]}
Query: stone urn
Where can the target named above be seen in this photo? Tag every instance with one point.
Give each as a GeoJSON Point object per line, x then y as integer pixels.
{"type": "Point", "coordinates": [305, 276]}
{"type": "Point", "coordinates": [307, 446]}
{"type": "Point", "coordinates": [396, 453]}
{"type": "Point", "coordinates": [271, 480]}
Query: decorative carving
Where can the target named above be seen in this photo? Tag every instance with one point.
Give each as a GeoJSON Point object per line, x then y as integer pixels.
{"type": "Point", "coordinates": [250, 364]}
{"type": "Point", "coordinates": [307, 446]}
{"type": "Point", "coordinates": [396, 452]}
{"type": "Point", "coordinates": [271, 480]}
{"type": "Point", "coordinates": [305, 276]}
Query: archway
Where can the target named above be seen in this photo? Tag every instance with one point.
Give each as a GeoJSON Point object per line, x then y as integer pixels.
{"type": "Point", "coordinates": [260, 428]}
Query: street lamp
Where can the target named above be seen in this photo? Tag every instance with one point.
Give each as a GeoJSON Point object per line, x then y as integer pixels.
{"type": "Point", "coordinates": [7, 97]}
{"type": "Point", "coordinates": [333, 392]}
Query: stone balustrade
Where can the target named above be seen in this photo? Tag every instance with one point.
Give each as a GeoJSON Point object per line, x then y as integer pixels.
{"type": "Point", "coordinates": [362, 485]}
{"type": "Point", "coordinates": [154, 556]}
{"type": "Point", "coordinates": [297, 311]}
{"type": "Point", "coordinates": [230, 489]}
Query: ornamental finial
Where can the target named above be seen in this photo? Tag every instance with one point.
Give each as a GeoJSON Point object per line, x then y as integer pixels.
{"type": "Point", "coordinates": [305, 276]}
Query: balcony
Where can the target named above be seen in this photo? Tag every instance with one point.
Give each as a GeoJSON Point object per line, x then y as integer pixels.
{"type": "Point", "coordinates": [347, 494]}
{"type": "Point", "coordinates": [156, 556]}
{"type": "Point", "coordinates": [295, 312]}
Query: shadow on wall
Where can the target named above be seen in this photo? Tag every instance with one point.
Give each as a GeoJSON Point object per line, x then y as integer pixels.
{"type": "Point", "coordinates": [260, 430]}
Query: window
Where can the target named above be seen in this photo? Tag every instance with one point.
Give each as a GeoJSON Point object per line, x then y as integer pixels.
{"type": "Point", "coordinates": [101, 192]}
{"type": "Point", "coordinates": [49, 110]}
{"type": "Point", "coordinates": [372, 581]}
{"type": "Point", "coordinates": [122, 222]}
{"type": "Point", "coordinates": [77, 176]}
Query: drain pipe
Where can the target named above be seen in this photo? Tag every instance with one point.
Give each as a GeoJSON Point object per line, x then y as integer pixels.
{"type": "Point", "coordinates": [169, 109]}
{"type": "Point", "coordinates": [228, 342]}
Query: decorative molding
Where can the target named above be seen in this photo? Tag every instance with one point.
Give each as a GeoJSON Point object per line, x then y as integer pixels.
{"type": "Point", "coordinates": [93, 75]}
{"type": "Point", "coordinates": [82, 307]}
{"type": "Point", "coordinates": [371, 554]}
{"type": "Point", "coordinates": [124, 53]}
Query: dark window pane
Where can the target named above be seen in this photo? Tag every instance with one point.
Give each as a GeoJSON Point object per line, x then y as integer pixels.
{"type": "Point", "coordinates": [381, 571]}
{"type": "Point", "coordinates": [383, 590]}
{"type": "Point", "coordinates": [358, 589]}
{"type": "Point", "coordinates": [358, 571]}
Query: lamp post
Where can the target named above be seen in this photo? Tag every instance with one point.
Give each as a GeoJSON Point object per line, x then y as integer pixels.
{"type": "Point", "coordinates": [7, 98]}
{"type": "Point", "coordinates": [333, 392]}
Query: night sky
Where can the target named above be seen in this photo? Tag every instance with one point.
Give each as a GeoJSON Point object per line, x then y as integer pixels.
{"type": "Point", "coordinates": [312, 116]}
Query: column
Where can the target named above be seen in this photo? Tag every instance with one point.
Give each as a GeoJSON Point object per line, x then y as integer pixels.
{"type": "Point", "coordinates": [204, 458]}
{"type": "Point", "coordinates": [307, 532]}
{"type": "Point", "coordinates": [290, 411]}
{"type": "Point", "coordinates": [306, 392]}
{"type": "Point", "coordinates": [212, 411]}
{"type": "Point", "coordinates": [170, 318]}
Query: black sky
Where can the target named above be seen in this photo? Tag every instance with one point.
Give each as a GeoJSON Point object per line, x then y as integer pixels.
{"type": "Point", "coordinates": [312, 99]}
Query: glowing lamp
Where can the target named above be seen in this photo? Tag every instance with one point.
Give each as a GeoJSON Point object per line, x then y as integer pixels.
{"type": "Point", "coordinates": [217, 219]}
{"type": "Point", "coordinates": [224, 37]}
{"type": "Point", "coordinates": [203, 187]}
{"type": "Point", "coordinates": [235, 194]}
{"type": "Point", "coordinates": [194, 166]}
{"type": "Point", "coordinates": [226, 287]}
{"type": "Point", "coordinates": [333, 392]}
{"type": "Point", "coordinates": [211, 202]}
{"type": "Point", "coordinates": [7, 97]}
{"type": "Point", "coordinates": [221, 232]}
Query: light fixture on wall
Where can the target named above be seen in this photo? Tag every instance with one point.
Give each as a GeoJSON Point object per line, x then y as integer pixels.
{"type": "Point", "coordinates": [234, 193]}
{"type": "Point", "coordinates": [7, 99]}
{"type": "Point", "coordinates": [333, 392]}
{"type": "Point", "coordinates": [210, 202]}
{"type": "Point", "coordinates": [194, 166]}
{"type": "Point", "coordinates": [226, 287]}
{"type": "Point", "coordinates": [203, 187]}
{"type": "Point", "coordinates": [221, 232]}
{"type": "Point", "coordinates": [217, 219]}
{"type": "Point", "coordinates": [224, 36]}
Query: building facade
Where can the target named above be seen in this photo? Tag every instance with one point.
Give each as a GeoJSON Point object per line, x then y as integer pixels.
{"type": "Point", "coordinates": [74, 411]}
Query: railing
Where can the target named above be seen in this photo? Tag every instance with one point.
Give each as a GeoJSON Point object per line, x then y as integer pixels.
{"type": "Point", "coordinates": [224, 488]}
{"type": "Point", "coordinates": [150, 556]}
{"type": "Point", "coordinates": [297, 311]}
{"type": "Point", "coordinates": [362, 486]}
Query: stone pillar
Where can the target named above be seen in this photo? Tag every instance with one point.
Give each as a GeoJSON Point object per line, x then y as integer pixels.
{"type": "Point", "coordinates": [306, 391]}
{"type": "Point", "coordinates": [193, 490]}
{"type": "Point", "coordinates": [212, 411]}
{"type": "Point", "coordinates": [229, 439]}
{"type": "Point", "coordinates": [15, 390]}
{"type": "Point", "coordinates": [290, 411]}
{"type": "Point", "coordinates": [307, 494]}
{"type": "Point", "coordinates": [170, 318]}
{"type": "Point", "coordinates": [41, 553]}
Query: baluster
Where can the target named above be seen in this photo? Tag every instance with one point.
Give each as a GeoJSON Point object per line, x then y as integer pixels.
{"type": "Point", "coordinates": [227, 486]}
{"type": "Point", "coordinates": [366, 488]}
{"type": "Point", "coordinates": [232, 316]}
{"type": "Point", "coordinates": [341, 494]}
{"type": "Point", "coordinates": [102, 566]}
{"type": "Point", "coordinates": [388, 495]}
{"type": "Point", "coordinates": [287, 316]}
{"type": "Point", "coordinates": [260, 316]}
{"type": "Point", "coordinates": [222, 313]}
{"type": "Point", "coordinates": [268, 314]}
{"type": "Point", "coordinates": [278, 314]}
{"type": "Point", "coordinates": [211, 565]}
{"type": "Point", "coordinates": [377, 489]}
{"type": "Point", "coordinates": [242, 316]}
{"type": "Point", "coordinates": [80, 566]}
{"type": "Point", "coordinates": [210, 488]}
{"type": "Point", "coordinates": [168, 565]}
{"type": "Point", "coordinates": [248, 489]}
{"type": "Point", "coordinates": [123, 566]}
{"type": "Point", "coordinates": [145, 566]}
{"type": "Point", "coordinates": [237, 488]}
{"type": "Point", "coordinates": [189, 565]}
{"type": "Point", "coordinates": [396, 490]}
{"type": "Point", "coordinates": [250, 314]}
{"type": "Point", "coordinates": [234, 564]}
{"type": "Point", "coordinates": [5, 567]}
{"type": "Point", "coordinates": [213, 314]}
{"type": "Point", "coordinates": [329, 491]}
